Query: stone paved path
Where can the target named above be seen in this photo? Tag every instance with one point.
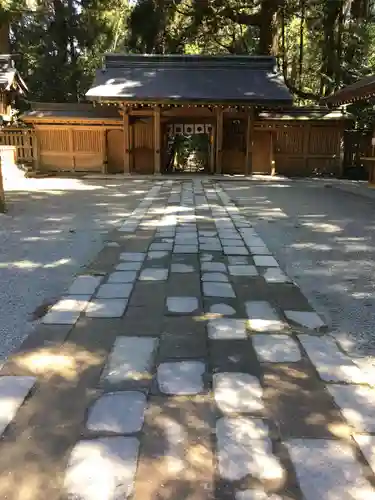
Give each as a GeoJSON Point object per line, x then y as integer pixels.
{"type": "Point", "coordinates": [185, 364]}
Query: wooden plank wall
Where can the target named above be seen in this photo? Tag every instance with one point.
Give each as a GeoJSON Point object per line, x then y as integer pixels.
{"type": "Point", "coordinates": [71, 148]}
{"type": "Point", "coordinates": [308, 149]}
{"type": "Point", "coordinates": [302, 149]}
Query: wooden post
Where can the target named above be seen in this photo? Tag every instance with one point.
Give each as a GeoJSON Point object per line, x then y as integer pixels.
{"type": "Point", "coordinates": [104, 151]}
{"type": "Point", "coordinates": [212, 150]}
{"type": "Point", "coordinates": [219, 141]}
{"type": "Point", "coordinates": [249, 141]}
{"type": "Point", "coordinates": [272, 162]}
{"type": "Point", "coordinates": [71, 147]}
{"type": "Point", "coordinates": [35, 147]}
{"type": "Point", "coordinates": [131, 148]}
{"type": "Point", "coordinates": [157, 141]}
{"type": "Point", "coordinates": [126, 143]}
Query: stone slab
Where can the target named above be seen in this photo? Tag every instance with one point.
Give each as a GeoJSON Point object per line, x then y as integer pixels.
{"type": "Point", "coordinates": [67, 310]}
{"type": "Point", "coordinates": [156, 247]}
{"type": "Point", "coordinates": [156, 255]}
{"type": "Point", "coordinates": [276, 348]}
{"type": "Point", "coordinates": [122, 277]}
{"type": "Point", "coordinates": [181, 378]}
{"type": "Point", "coordinates": [210, 247]}
{"type": "Point", "coordinates": [230, 235]}
{"type": "Point", "coordinates": [222, 310]}
{"type": "Point", "coordinates": [306, 319]}
{"type": "Point", "coordinates": [106, 308]}
{"type": "Point", "coordinates": [215, 277]}
{"type": "Point", "coordinates": [263, 317]}
{"type": "Point", "coordinates": [207, 234]}
{"type": "Point", "coordinates": [102, 469]}
{"type": "Point", "coordinates": [231, 242]}
{"type": "Point", "coordinates": [235, 250]}
{"type": "Point", "coordinates": [265, 261]}
{"type": "Point", "coordinates": [153, 274]}
{"type": "Point", "coordinates": [275, 275]}
{"type": "Point", "coordinates": [213, 267]}
{"type": "Point", "coordinates": [130, 359]}
{"type": "Point", "coordinates": [13, 391]}
{"type": "Point", "coordinates": [115, 291]}
{"type": "Point", "coordinates": [214, 289]}
{"type": "Point", "coordinates": [182, 268]}
{"type": "Point", "coordinates": [84, 285]}
{"type": "Point", "coordinates": [185, 249]}
{"type": "Point", "coordinates": [129, 266]}
{"type": "Point", "coordinates": [259, 250]}
{"type": "Point", "coordinates": [227, 328]}
{"type": "Point", "coordinates": [332, 364]}
{"type": "Point", "coordinates": [357, 404]}
{"type": "Point", "coordinates": [182, 305]}
{"type": "Point", "coordinates": [133, 256]}
{"type": "Point", "coordinates": [243, 270]}
{"type": "Point", "coordinates": [119, 412]}
{"type": "Point", "coordinates": [237, 392]}
{"type": "Point", "coordinates": [244, 449]}
{"type": "Point", "coordinates": [238, 260]}
{"type": "Point", "coordinates": [328, 470]}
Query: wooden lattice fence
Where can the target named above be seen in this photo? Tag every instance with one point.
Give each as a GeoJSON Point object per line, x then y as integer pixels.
{"type": "Point", "coordinates": [23, 139]}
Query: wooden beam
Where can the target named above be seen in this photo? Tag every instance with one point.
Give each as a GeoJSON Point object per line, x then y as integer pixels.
{"type": "Point", "coordinates": [126, 143]}
{"type": "Point", "coordinates": [249, 141]}
{"type": "Point", "coordinates": [157, 141]}
{"type": "Point", "coordinates": [219, 141]}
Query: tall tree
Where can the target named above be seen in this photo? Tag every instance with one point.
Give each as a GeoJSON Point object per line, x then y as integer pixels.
{"type": "Point", "coordinates": [61, 43]}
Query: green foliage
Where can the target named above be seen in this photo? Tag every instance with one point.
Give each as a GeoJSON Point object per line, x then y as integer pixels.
{"type": "Point", "coordinates": [61, 42]}
{"type": "Point", "coordinates": [319, 44]}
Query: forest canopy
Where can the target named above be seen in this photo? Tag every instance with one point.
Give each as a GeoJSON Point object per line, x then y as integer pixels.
{"type": "Point", "coordinates": [320, 45]}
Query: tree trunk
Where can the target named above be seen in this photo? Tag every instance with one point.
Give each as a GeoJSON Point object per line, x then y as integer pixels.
{"type": "Point", "coordinates": [330, 65]}
{"type": "Point", "coordinates": [4, 38]}
{"type": "Point", "coordinates": [268, 28]}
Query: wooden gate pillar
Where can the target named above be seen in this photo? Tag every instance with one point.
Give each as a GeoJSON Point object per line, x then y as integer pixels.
{"type": "Point", "coordinates": [126, 142]}
{"type": "Point", "coordinates": [249, 141]}
{"type": "Point", "coordinates": [157, 141]}
{"type": "Point", "coordinates": [219, 141]}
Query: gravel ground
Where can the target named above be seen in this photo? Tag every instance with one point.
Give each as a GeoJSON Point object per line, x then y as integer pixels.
{"type": "Point", "coordinates": [325, 240]}
{"type": "Point", "coordinates": [52, 228]}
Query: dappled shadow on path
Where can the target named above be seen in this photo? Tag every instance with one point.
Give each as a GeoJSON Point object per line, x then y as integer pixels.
{"type": "Point", "coordinates": [325, 240]}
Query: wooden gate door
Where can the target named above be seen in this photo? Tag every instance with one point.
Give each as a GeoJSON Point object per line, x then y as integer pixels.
{"type": "Point", "coordinates": [234, 147]}
{"type": "Point", "coordinates": [116, 151]}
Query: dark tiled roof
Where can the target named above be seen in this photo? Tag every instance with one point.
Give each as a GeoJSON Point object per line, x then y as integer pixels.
{"type": "Point", "coordinates": [9, 75]}
{"type": "Point", "coordinates": [189, 78]}
{"type": "Point", "coordinates": [53, 110]}
{"type": "Point", "coordinates": [362, 89]}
